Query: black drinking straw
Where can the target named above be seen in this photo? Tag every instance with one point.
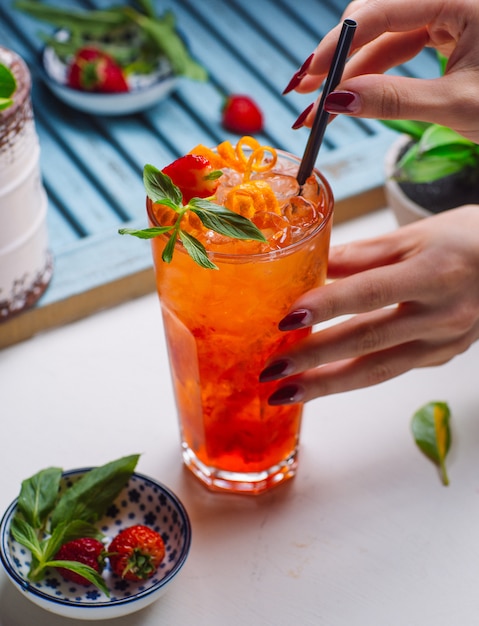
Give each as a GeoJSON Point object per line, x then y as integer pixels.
{"type": "Point", "coordinates": [321, 120]}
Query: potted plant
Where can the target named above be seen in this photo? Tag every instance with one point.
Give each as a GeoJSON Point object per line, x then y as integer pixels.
{"type": "Point", "coordinates": [430, 169]}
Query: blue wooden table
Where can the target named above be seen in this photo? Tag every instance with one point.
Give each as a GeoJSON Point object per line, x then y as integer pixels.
{"type": "Point", "coordinates": [92, 165]}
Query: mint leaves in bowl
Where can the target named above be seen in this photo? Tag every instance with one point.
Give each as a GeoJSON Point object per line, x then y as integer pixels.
{"type": "Point", "coordinates": [115, 61]}
{"type": "Point", "coordinates": [55, 507]}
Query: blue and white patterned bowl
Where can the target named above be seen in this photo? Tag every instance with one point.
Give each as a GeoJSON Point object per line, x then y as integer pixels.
{"type": "Point", "coordinates": [142, 501]}
{"type": "Point", "coordinates": [145, 90]}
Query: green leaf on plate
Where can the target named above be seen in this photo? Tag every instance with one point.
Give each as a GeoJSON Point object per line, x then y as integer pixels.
{"type": "Point", "coordinates": [430, 427]}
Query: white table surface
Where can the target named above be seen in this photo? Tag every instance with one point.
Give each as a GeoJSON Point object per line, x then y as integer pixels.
{"type": "Point", "coordinates": [365, 535]}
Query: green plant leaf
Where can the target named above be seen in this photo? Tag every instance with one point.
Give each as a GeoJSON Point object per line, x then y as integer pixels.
{"type": "Point", "coordinates": [440, 136]}
{"type": "Point", "coordinates": [8, 85]}
{"type": "Point", "coordinates": [442, 60]}
{"type": "Point", "coordinates": [160, 188]}
{"type": "Point", "coordinates": [223, 221]}
{"type": "Point", "coordinates": [430, 427]}
{"type": "Point", "coordinates": [196, 250]}
{"type": "Point", "coordinates": [408, 127]}
{"type": "Point", "coordinates": [38, 496]}
{"type": "Point", "coordinates": [89, 497]}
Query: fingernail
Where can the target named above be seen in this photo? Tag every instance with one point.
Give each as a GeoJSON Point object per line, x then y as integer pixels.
{"type": "Point", "coordinates": [289, 394]}
{"type": "Point", "coordinates": [277, 369]}
{"type": "Point", "coordinates": [302, 116]}
{"type": "Point", "coordinates": [342, 102]}
{"type": "Point", "coordinates": [299, 75]}
{"type": "Point", "coordinates": [296, 319]}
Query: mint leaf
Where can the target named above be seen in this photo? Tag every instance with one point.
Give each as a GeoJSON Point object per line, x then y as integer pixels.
{"type": "Point", "coordinates": [68, 531]}
{"type": "Point", "coordinates": [26, 536]}
{"type": "Point", "coordinates": [170, 248]}
{"type": "Point", "coordinates": [160, 188]}
{"type": "Point", "coordinates": [223, 221]}
{"type": "Point", "coordinates": [196, 250]}
{"type": "Point", "coordinates": [38, 496]}
{"type": "Point", "coordinates": [161, 32]}
{"type": "Point", "coordinates": [84, 570]}
{"type": "Point", "coordinates": [89, 498]}
{"type": "Point", "coordinates": [146, 233]}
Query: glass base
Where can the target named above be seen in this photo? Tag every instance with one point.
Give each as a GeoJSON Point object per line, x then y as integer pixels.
{"type": "Point", "coordinates": [248, 483]}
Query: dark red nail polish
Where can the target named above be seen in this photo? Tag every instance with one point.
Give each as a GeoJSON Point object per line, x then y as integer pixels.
{"type": "Point", "coordinates": [275, 370]}
{"type": "Point", "coordinates": [302, 116]}
{"type": "Point", "coordinates": [342, 102]}
{"type": "Point", "coordinates": [299, 75]}
{"type": "Point", "coordinates": [289, 394]}
{"type": "Point", "coordinates": [296, 319]}
{"type": "Point", "coordinates": [293, 83]}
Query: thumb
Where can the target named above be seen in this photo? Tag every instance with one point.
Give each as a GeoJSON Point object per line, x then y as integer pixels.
{"type": "Point", "coordinates": [449, 100]}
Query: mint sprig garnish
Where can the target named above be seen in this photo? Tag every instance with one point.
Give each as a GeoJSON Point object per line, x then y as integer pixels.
{"type": "Point", "coordinates": [45, 520]}
{"type": "Point", "coordinates": [161, 189]}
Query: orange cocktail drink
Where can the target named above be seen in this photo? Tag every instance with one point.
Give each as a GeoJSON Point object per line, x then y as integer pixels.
{"type": "Point", "coordinates": [222, 325]}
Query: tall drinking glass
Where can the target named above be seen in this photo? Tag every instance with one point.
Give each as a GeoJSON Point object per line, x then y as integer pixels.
{"type": "Point", "coordinates": [221, 327]}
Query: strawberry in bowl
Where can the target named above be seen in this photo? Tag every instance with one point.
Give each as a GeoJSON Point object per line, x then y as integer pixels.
{"type": "Point", "coordinates": [115, 61]}
{"type": "Point", "coordinates": [94, 70]}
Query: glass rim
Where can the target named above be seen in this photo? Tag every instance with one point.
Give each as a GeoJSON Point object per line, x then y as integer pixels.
{"type": "Point", "coordinates": [270, 254]}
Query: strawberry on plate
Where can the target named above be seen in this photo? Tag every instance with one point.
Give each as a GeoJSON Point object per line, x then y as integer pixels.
{"type": "Point", "coordinates": [194, 175]}
{"type": "Point", "coordinates": [136, 552]}
{"type": "Point", "coordinates": [86, 550]}
{"type": "Point", "coordinates": [242, 115]}
{"type": "Point", "coordinates": [96, 71]}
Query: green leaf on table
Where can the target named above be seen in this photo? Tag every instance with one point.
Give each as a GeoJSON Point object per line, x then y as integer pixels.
{"type": "Point", "coordinates": [90, 496]}
{"type": "Point", "coordinates": [430, 427]}
{"type": "Point", "coordinates": [38, 496]}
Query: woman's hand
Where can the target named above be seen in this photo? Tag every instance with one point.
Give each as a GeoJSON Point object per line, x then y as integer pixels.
{"type": "Point", "coordinates": [389, 33]}
{"type": "Point", "coordinates": [412, 300]}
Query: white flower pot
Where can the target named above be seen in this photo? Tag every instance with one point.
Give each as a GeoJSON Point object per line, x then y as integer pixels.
{"type": "Point", "coordinates": [405, 210]}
